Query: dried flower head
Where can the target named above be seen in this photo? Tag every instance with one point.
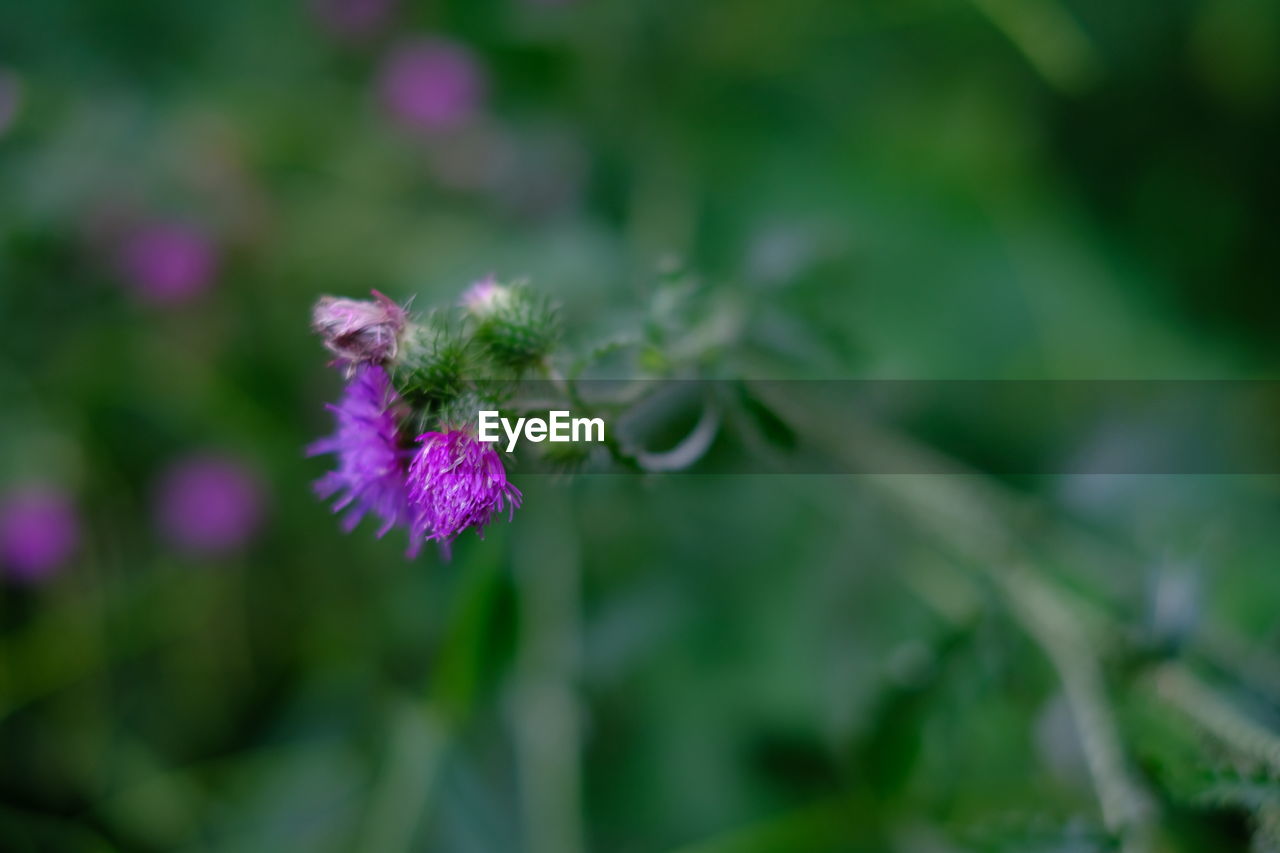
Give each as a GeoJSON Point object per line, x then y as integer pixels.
{"type": "Point", "coordinates": [372, 461]}
{"type": "Point", "coordinates": [456, 482]}
{"type": "Point", "coordinates": [359, 330]}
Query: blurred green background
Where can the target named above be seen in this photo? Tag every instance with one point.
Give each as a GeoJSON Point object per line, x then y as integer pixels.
{"type": "Point", "coordinates": [193, 656]}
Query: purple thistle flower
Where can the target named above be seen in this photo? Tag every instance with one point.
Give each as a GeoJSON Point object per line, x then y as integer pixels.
{"type": "Point", "coordinates": [167, 262]}
{"type": "Point", "coordinates": [372, 463]}
{"type": "Point", "coordinates": [432, 85]}
{"type": "Point", "coordinates": [209, 504]}
{"type": "Point", "coordinates": [456, 482]}
{"type": "Point", "coordinates": [39, 531]}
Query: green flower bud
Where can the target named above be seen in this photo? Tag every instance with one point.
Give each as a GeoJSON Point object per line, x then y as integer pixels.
{"type": "Point", "coordinates": [435, 363]}
{"type": "Point", "coordinates": [515, 327]}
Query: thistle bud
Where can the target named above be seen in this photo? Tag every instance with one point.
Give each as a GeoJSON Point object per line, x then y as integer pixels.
{"type": "Point", "coordinates": [357, 330]}
{"type": "Point", "coordinates": [434, 362]}
{"type": "Point", "coordinates": [485, 297]}
{"type": "Point", "coordinates": [515, 327]}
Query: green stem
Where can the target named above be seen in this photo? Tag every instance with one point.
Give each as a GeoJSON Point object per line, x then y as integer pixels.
{"type": "Point", "coordinates": [1127, 807]}
{"type": "Point", "coordinates": [1180, 688]}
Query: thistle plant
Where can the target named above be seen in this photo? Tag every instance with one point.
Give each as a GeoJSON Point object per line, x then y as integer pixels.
{"type": "Point", "coordinates": [406, 445]}
{"type": "Point", "coordinates": [1167, 722]}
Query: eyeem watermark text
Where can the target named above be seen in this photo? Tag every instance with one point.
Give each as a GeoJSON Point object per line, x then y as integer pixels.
{"type": "Point", "coordinates": [561, 426]}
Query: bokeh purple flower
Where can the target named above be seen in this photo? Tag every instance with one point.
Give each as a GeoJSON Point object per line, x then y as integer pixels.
{"type": "Point", "coordinates": [209, 504]}
{"type": "Point", "coordinates": [10, 99]}
{"type": "Point", "coordinates": [456, 482]}
{"type": "Point", "coordinates": [372, 461]}
{"type": "Point", "coordinates": [167, 262]}
{"type": "Point", "coordinates": [39, 532]}
{"type": "Point", "coordinates": [359, 330]}
{"type": "Point", "coordinates": [432, 85]}
{"type": "Point", "coordinates": [352, 19]}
